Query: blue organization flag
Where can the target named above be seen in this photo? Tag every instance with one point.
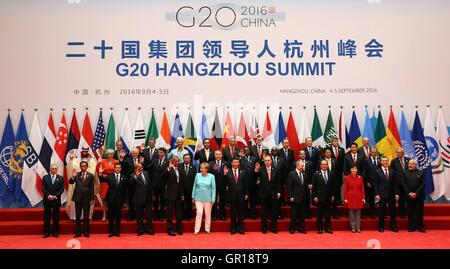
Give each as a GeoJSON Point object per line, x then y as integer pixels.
{"type": "Point", "coordinates": [18, 155]}
{"type": "Point", "coordinates": [373, 120]}
{"type": "Point", "coordinates": [422, 156]}
{"type": "Point", "coordinates": [368, 130]}
{"type": "Point", "coordinates": [405, 137]}
{"type": "Point", "coordinates": [205, 130]}
{"type": "Point", "coordinates": [280, 131]}
{"type": "Point", "coordinates": [354, 133]}
{"type": "Point", "coordinates": [6, 147]}
{"type": "Point", "coordinates": [176, 132]}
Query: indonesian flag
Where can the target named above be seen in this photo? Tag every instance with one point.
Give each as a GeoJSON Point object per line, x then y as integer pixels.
{"type": "Point", "coordinates": [87, 137]}
{"type": "Point", "coordinates": [242, 138]}
{"type": "Point", "coordinates": [228, 130]}
{"type": "Point", "coordinates": [59, 153]}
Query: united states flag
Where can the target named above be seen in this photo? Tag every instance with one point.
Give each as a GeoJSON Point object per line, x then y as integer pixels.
{"type": "Point", "coordinates": [99, 137]}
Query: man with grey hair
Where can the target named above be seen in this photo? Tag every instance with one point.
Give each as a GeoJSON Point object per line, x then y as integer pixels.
{"type": "Point", "coordinates": [297, 188]}
{"type": "Point", "coordinates": [400, 165]}
{"type": "Point", "coordinates": [52, 188]}
{"type": "Point", "coordinates": [174, 195]}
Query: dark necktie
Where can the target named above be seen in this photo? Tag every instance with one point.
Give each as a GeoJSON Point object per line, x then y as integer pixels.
{"type": "Point", "coordinates": [325, 177]}
{"type": "Point", "coordinates": [187, 169]}
{"type": "Point", "coordinates": [235, 176]}
{"type": "Point", "coordinates": [386, 173]}
{"type": "Point", "coordinates": [117, 179]}
{"type": "Point", "coordinates": [53, 180]}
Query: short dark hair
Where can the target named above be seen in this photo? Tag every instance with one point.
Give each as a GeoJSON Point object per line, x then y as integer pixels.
{"type": "Point", "coordinates": [84, 163]}
{"type": "Point", "coordinates": [162, 149]}
{"type": "Point", "coordinates": [235, 159]}
{"type": "Point", "coordinates": [354, 144]}
{"type": "Point", "coordinates": [186, 154]}
{"type": "Point", "coordinates": [206, 139]}
{"type": "Point", "coordinates": [117, 164]}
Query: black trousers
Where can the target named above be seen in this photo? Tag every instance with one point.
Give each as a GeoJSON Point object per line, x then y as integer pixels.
{"type": "Point", "coordinates": [51, 211]}
{"type": "Point", "coordinates": [298, 211]}
{"type": "Point", "coordinates": [415, 212]}
{"type": "Point", "coordinates": [384, 202]}
{"type": "Point", "coordinates": [218, 209]}
{"type": "Point", "coordinates": [171, 206]}
{"type": "Point", "coordinates": [402, 197]}
{"type": "Point", "coordinates": [308, 204]}
{"type": "Point", "coordinates": [370, 200]}
{"type": "Point", "coordinates": [140, 208]}
{"type": "Point", "coordinates": [115, 214]}
{"type": "Point", "coordinates": [84, 206]}
{"type": "Point", "coordinates": [237, 215]}
{"type": "Point", "coordinates": [159, 202]}
{"type": "Point", "coordinates": [131, 206]}
{"type": "Point", "coordinates": [252, 200]}
{"type": "Point", "coordinates": [324, 212]}
{"type": "Point", "coordinates": [269, 207]}
{"type": "Point", "coordinates": [187, 205]}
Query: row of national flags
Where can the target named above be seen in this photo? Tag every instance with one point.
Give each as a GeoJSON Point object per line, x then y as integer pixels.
{"type": "Point", "coordinates": [25, 157]}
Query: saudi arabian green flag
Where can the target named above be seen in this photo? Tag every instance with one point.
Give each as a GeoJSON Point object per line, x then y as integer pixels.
{"type": "Point", "coordinates": [316, 131]}
{"type": "Point", "coordinates": [330, 131]}
{"type": "Point", "coordinates": [152, 131]}
{"type": "Point", "coordinates": [110, 141]}
{"type": "Point", "coordinates": [190, 138]}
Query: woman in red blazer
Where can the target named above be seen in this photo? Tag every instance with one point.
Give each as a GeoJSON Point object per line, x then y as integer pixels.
{"type": "Point", "coordinates": [354, 197]}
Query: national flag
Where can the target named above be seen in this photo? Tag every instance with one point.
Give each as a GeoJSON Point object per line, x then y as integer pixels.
{"type": "Point", "coordinates": [126, 133]}
{"type": "Point", "coordinates": [267, 133]}
{"type": "Point", "coordinates": [329, 132]}
{"type": "Point", "coordinates": [204, 131]}
{"type": "Point", "coordinates": [422, 156]}
{"type": "Point", "coordinates": [177, 131]}
{"type": "Point", "coordinates": [33, 171]}
{"type": "Point", "coordinates": [60, 149]}
{"type": "Point", "coordinates": [87, 137]}
{"type": "Point", "coordinates": [72, 144]}
{"type": "Point", "coordinates": [110, 141]}
{"type": "Point", "coordinates": [354, 132]}
{"type": "Point", "coordinates": [47, 147]}
{"type": "Point", "coordinates": [344, 138]}
{"type": "Point", "coordinates": [444, 150]}
{"type": "Point", "coordinates": [190, 138]}
{"type": "Point", "coordinates": [228, 130]}
{"type": "Point", "coordinates": [6, 148]}
{"type": "Point", "coordinates": [316, 132]}
{"type": "Point", "coordinates": [291, 133]}
{"type": "Point", "coordinates": [216, 134]}
{"type": "Point", "coordinates": [139, 132]}
{"type": "Point", "coordinates": [437, 167]}
{"type": "Point", "coordinates": [280, 131]}
{"type": "Point", "coordinates": [253, 128]}
{"type": "Point", "coordinates": [305, 130]}
{"type": "Point", "coordinates": [242, 137]}
{"type": "Point", "coordinates": [165, 137]}
{"type": "Point", "coordinates": [367, 130]}
{"type": "Point", "coordinates": [152, 131]}
{"type": "Point", "coordinates": [18, 155]}
{"type": "Point", "coordinates": [373, 120]}
{"type": "Point", "coordinates": [388, 141]}
{"type": "Point", "coordinates": [405, 137]}
{"type": "Point", "coordinates": [99, 137]}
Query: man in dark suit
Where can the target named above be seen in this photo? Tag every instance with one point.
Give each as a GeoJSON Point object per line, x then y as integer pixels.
{"type": "Point", "coordinates": [174, 195]}
{"type": "Point", "coordinates": [247, 163]}
{"type": "Point", "coordinates": [308, 172]}
{"type": "Point", "coordinates": [400, 165]}
{"type": "Point", "coordinates": [115, 198]}
{"type": "Point", "coordinates": [83, 196]}
{"type": "Point", "coordinates": [258, 151]}
{"type": "Point", "coordinates": [218, 210]}
{"type": "Point", "coordinates": [187, 175]}
{"type": "Point", "coordinates": [323, 193]}
{"type": "Point", "coordinates": [278, 163]}
{"type": "Point", "coordinates": [143, 197]}
{"type": "Point", "coordinates": [364, 150]}
{"type": "Point", "coordinates": [52, 189]}
{"type": "Point", "coordinates": [312, 153]}
{"type": "Point", "coordinates": [297, 188]}
{"type": "Point", "coordinates": [205, 154]}
{"type": "Point", "coordinates": [371, 164]}
{"type": "Point", "coordinates": [157, 168]}
{"type": "Point", "coordinates": [128, 166]}
{"type": "Point", "coordinates": [236, 182]}
{"type": "Point", "coordinates": [269, 183]}
{"type": "Point", "coordinates": [354, 158]}
{"type": "Point", "coordinates": [332, 167]}
{"type": "Point", "coordinates": [386, 193]}
{"type": "Point", "coordinates": [287, 156]}
{"type": "Point", "coordinates": [338, 153]}
{"type": "Point", "coordinates": [232, 151]}
{"type": "Point", "coordinates": [149, 154]}
{"type": "Point", "coordinates": [413, 184]}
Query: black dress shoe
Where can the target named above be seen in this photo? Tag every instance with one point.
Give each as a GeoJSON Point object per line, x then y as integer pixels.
{"type": "Point", "coordinates": [55, 235]}
{"type": "Point", "coordinates": [222, 218]}
{"type": "Point", "coordinates": [171, 233]}
{"type": "Point", "coordinates": [241, 231]}
{"type": "Point", "coordinates": [77, 235]}
{"type": "Point", "coordinates": [335, 217]}
{"type": "Point", "coordinates": [381, 230]}
{"type": "Point", "coordinates": [86, 235]}
{"type": "Point", "coordinates": [394, 229]}
{"type": "Point", "coordinates": [372, 216]}
{"type": "Point", "coordinates": [264, 230]}
{"type": "Point", "coordinates": [291, 231]}
{"type": "Point", "coordinates": [46, 235]}
{"type": "Point", "coordinates": [214, 218]}
{"type": "Point", "coordinates": [412, 229]}
{"type": "Point", "coordinates": [329, 231]}
{"type": "Point", "coordinates": [111, 235]}
{"type": "Point", "coordinates": [180, 232]}
{"type": "Point", "coordinates": [274, 230]}
{"type": "Point", "coordinates": [320, 231]}
{"type": "Point", "coordinates": [422, 230]}
{"type": "Point", "coordinates": [233, 231]}
{"type": "Point", "coordinates": [117, 235]}
{"type": "Point", "coordinates": [303, 231]}
{"type": "Point", "coordinates": [140, 233]}
{"type": "Point", "coordinates": [150, 232]}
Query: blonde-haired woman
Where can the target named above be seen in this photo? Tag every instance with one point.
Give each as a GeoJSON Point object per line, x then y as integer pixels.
{"type": "Point", "coordinates": [203, 196]}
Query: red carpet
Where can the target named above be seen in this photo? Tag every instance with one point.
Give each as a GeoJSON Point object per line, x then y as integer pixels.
{"type": "Point", "coordinates": [252, 240]}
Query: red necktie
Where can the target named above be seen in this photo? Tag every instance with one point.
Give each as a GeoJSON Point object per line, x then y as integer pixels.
{"type": "Point", "coordinates": [232, 152]}
{"type": "Point", "coordinates": [336, 152]}
{"type": "Point", "coordinates": [259, 151]}
{"type": "Point", "coordinates": [235, 176]}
